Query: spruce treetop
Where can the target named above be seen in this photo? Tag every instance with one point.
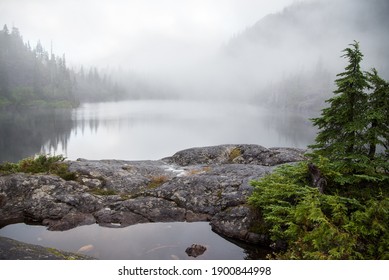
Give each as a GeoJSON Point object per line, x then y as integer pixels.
{"type": "Point", "coordinates": [356, 122]}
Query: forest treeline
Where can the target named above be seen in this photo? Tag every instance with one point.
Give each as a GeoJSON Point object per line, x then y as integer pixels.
{"type": "Point", "coordinates": [31, 76]}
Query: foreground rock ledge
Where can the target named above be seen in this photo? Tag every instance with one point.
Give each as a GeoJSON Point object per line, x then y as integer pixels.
{"type": "Point", "coordinates": [14, 250]}
{"type": "Point", "coordinates": [198, 184]}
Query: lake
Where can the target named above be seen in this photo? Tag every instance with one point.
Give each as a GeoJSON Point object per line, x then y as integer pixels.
{"type": "Point", "coordinates": [147, 129]}
{"type": "Point", "coordinates": [138, 130]}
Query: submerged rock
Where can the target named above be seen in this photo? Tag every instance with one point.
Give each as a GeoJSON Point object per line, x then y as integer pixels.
{"type": "Point", "coordinates": [198, 184]}
{"type": "Point", "coordinates": [195, 250]}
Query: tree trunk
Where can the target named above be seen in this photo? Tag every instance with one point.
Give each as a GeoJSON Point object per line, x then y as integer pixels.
{"type": "Point", "coordinates": [372, 148]}
{"type": "Point", "coordinates": [318, 180]}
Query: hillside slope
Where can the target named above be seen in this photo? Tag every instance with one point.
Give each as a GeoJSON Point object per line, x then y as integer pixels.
{"type": "Point", "coordinates": [293, 56]}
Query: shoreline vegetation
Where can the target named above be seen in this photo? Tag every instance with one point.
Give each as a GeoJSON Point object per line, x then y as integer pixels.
{"type": "Point", "coordinates": [40, 164]}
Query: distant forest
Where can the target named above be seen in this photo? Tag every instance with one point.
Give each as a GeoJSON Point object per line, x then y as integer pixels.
{"type": "Point", "coordinates": [31, 76]}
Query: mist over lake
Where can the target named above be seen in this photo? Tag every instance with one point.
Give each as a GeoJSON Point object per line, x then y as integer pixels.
{"type": "Point", "coordinates": [156, 129]}
{"type": "Point", "coordinates": [151, 129]}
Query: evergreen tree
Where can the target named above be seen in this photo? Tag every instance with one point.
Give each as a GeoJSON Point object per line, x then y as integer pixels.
{"type": "Point", "coordinates": [378, 114]}
{"type": "Point", "coordinates": [35, 77]}
{"type": "Point", "coordinates": [5, 29]}
{"type": "Point", "coordinates": [342, 124]}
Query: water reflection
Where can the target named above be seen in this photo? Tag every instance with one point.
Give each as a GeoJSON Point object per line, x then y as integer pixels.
{"type": "Point", "coordinates": [156, 241]}
{"type": "Point", "coordinates": [24, 132]}
{"type": "Point", "coordinates": [146, 129]}
{"type": "Point", "coordinates": [154, 129]}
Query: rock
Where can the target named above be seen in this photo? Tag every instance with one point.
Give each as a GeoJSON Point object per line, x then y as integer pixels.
{"type": "Point", "coordinates": [14, 250]}
{"type": "Point", "coordinates": [195, 250]}
{"type": "Point", "coordinates": [203, 155]}
{"type": "Point", "coordinates": [243, 154]}
{"type": "Point", "coordinates": [112, 218]}
{"type": "Point", "coordinates": [61, 204]}
{"type": "Point", "coordinates": [69, 221]}
{"type": "Point", "coordinates": [155, 209]}
{"type": "Point", "coordinates": [236, 223]}
{"type": "Point", "coordinates": [196, 217]}
{"type": "Point", "coordinates": [198, 184]}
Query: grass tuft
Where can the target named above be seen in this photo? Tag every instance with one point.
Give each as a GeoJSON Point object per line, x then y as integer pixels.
{"type": "Point", "coordinates": [156, 181]}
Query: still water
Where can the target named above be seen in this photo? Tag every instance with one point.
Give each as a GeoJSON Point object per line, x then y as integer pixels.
{"type": "Point", "coordinates": [137, 130]}
{"type": "Point", "coordinates": [154, 241]}
{"type": "Point", "coordinates": [156, 129]}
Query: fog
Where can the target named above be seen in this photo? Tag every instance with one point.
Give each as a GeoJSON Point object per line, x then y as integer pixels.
{"type": "Point", "coordinates": [148, 34]}
{"type": "Point", "coordinates": [262, 51]}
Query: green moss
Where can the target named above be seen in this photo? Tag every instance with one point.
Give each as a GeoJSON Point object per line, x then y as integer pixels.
{"type": "Point", "coordinates": [57, 253]}
{"type": "Point", "coordinates": [103, 191]}
{"type": "Point", "coordinates": [62, 255]}
{"type": "Point", "coordinates": [125, 196]}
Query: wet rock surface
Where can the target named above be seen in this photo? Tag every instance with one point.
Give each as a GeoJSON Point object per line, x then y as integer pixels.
{"type": "Point", "coordinates": [198, 184]}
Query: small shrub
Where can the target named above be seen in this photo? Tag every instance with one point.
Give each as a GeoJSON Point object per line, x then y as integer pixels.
{"type": "Point", "coordinates": [40, 164]}
{"type": "Point", "coordinates": [8, 168]}
{"type": "Point", "coordinates": [62, 170]}
{"type": "Point", "coordinates": [321, 226]}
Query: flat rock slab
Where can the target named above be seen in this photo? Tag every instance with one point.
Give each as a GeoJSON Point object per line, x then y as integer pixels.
{"type": "Point", "coordinates": [14, 250]}
{"type": "Point", "coordinates": [198, 184]}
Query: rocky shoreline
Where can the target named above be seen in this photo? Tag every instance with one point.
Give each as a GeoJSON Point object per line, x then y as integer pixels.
{"type": "Point", "coordinates": [197, 184]}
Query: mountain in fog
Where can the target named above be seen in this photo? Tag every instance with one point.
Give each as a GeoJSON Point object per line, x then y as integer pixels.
{"type": "Point", "coordinates": [291, 58]}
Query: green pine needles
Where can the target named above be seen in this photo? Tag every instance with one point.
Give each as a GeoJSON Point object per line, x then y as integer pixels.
{"type": "Point", "coordinates": [354, 128]}
{"type": "Point", "coordinates": [347, 217]}
{"type": "Point", "coordinates": [340, 224]}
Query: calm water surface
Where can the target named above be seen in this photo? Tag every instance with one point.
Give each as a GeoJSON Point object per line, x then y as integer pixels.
{"type": "Point", "coordinates": [154, 241]}
{"type": "Point", "coordinates": [156, 129]}
{"type": "Point", "coordinates": [137, 130]}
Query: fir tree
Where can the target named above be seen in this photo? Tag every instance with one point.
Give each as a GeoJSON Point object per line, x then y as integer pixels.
{"type": "Point", "coordinates": [35, 77]}
{"type": "Point", "coordinates": [377, 114]}
{"type": "Point", "coordinates": [5, 29]}
{"type": "Point", "coordinates": [341, 125]}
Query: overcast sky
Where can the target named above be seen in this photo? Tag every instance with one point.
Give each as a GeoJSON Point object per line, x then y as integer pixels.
{"type": "Point", "coordinates": [104, 32]}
